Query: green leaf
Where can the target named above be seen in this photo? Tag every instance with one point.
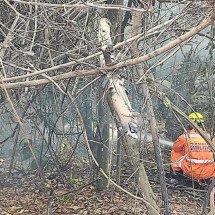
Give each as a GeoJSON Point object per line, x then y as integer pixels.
{"type": "Point", "coordinates": [75, 180]}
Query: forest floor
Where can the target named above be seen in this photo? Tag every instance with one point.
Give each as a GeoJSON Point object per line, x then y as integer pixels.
{"type": "Point", "coordinates": [23, 193]}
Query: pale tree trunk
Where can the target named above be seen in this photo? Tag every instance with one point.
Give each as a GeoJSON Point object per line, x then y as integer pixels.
{"type": "Point", "coordinates": [128, 123]}
{"type": "Point", "coordinates": [127, 120]}
{"type": "Point", "coordinates": [116, 19]}
{"type": "Point", "coordinates": [151, 116]}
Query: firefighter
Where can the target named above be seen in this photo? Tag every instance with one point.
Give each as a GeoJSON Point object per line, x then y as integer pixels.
{"type": "Point", "coordinates": [191, 154]}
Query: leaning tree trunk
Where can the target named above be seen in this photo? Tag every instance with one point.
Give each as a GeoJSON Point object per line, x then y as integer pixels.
{"type": "Point", "coordinates": [137, 20]}
{"type": "Point", "coordinates": [117, 18]}
{"type": "Point", "coordinates": [128, 121]}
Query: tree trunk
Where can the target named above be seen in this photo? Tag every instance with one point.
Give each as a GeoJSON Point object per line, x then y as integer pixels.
{"type": "Point", "coordinates": [118, 159]}
{"type": "Point", "coordinates": [103, 141]}
{"type": "Point", "coordinates": [127, 120]}
{"type": "Point", "coordinates": [86, 111]}
{"type": "Point", "coordinates": [151, 116]}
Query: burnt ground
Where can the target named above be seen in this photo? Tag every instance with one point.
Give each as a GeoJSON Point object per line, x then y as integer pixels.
{"type": "Point", "coordinates": [23, 193]}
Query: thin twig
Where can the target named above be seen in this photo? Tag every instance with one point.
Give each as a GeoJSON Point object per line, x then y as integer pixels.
{"type": "Point", "coordinates": [83, 6]}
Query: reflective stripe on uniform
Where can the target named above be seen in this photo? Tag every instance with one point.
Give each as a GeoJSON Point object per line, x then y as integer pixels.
{"type": "Point", "coordinates": [195, 135]}
{"type": "Point", "coordinates": [192, 135]}
{"type": "Point", "coordinates": [179, 161]}
{"type": "Point", "coordinates": [188, 135]}
{"type": "Point", "coordinates": [199, 161]}
{"type": "Point", "coordinates": [175, 165]}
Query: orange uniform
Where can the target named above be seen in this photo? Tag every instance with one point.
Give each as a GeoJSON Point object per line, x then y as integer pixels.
{"type": "Point", "coordinates": [192, 155]}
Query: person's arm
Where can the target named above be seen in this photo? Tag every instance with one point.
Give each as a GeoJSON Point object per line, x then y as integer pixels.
{"type": "Point", "coordinates": [178, 145]}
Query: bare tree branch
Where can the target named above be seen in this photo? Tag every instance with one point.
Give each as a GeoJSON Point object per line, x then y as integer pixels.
{"type": "Point", "coordinates": [207, 22]}
{"type": "Point", "coordinates": [82, 6]}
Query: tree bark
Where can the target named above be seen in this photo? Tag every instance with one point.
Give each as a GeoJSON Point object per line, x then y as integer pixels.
{"type": "Point", "coordinates": [151, 116]}
{"type": "Point", "coordinates": [116, 100]}
{"type": "Point", "coordinates": [103, 139]}
{"type": "Point", "coordinates": [127, 120]}
{"type": "Point", "coordinates": [118, 159]}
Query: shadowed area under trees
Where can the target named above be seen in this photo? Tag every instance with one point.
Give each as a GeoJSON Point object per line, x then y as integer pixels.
{"type": "Point", "coordinates": [93, 95]}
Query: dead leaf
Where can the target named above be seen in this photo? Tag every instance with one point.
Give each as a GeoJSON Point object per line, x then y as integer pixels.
{"type": "Point", "coordinates": [74, 207]}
